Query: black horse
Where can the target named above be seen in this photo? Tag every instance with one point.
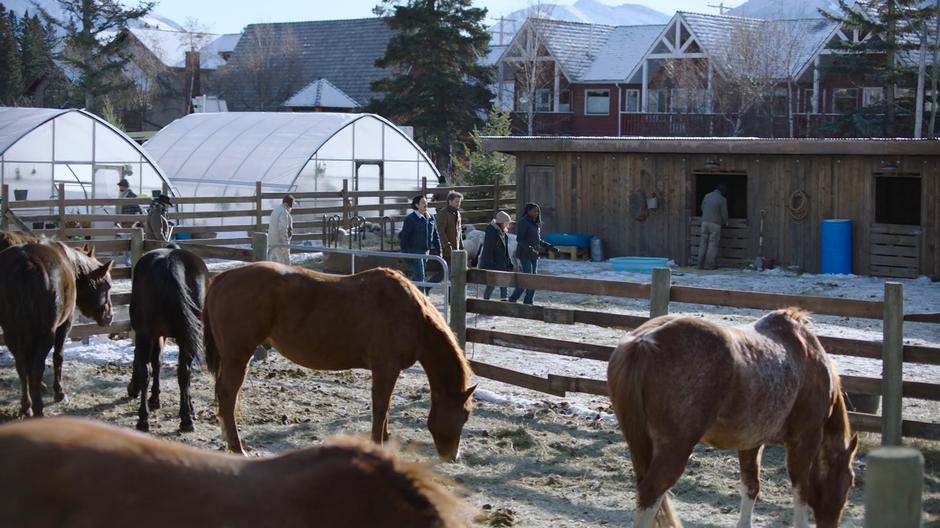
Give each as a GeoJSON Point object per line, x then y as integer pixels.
{"type": "Point", "coordinates": [169, 288]}
{"type": "Point", "coordinates": [40, 285]}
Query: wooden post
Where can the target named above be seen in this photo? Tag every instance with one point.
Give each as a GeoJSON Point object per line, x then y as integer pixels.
{"type": "Point", "coordinates": [892, 361]}
{"type": "Point", "coordinates": [137, 246]}
{"type": "Point", "coordinates": [659, 292]}
{"type": "Point", "coordinates": [424, 186]}
{"type": "Point", "coordinates": [458, 296]}
{"type": "Point", "coordinates": [345, 195]}
{"type": "Point", "coordinates": [61, 200]}
{"type": "Point", "coordinates": [496, 195]}
{"type": "Point", "coordinates": [4, 205]}
{"type": "Point", "coordinates": [259, 247]}
{"type": "Point", "coordinates": [893, 487]}
{"type": "Point", "coordinates": [259, 218]}
{"type": "Point", "coordinates": [165, 189]}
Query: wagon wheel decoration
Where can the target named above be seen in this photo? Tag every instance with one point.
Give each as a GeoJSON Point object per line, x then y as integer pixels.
{"type": "Point", "coordinates": [798, 205]}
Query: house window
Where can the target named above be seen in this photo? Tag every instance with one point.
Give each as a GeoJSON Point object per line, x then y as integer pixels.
{"type": "Point", "coordinates": [564, 101]}
{"type": "Point", "coordinates": [543, 100]}
{"type": "Point", "coordinates": [597, 102]}
{"type": "Point", "coordinates": [872, 96]}
{"type": "Point", "coordinates": [779, 101]}
{"type": "Point", "coordinates": [808, 101]}
{"type": "Point", "coordinates": [688, 100]}
{"type": "Point", "coordinates": [659, 101]}
{"type": "Point", "coordinates": [844, 100]}
{"type": "Point", "coordinates": [631, 101]}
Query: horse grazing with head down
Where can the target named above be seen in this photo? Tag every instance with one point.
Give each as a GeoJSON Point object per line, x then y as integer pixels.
{"type": "Point", "coordinates": [678, 381]}
{"type": "Point", "coordinates": [41, 283]}
{"type": "Point", "coordinates": [168, 290]}
{"type": "Point", "coordinates": [376, 320]}
{"type": "Point", "coordinates": [47, 465]}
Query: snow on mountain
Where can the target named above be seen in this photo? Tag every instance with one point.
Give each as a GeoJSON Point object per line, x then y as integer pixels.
{"type": "Point", "coordinates": [52, 7]}
{"type": "Point", "coordinates": [589, 11]}
{"type": "Point", "coordinates": [777, 10]}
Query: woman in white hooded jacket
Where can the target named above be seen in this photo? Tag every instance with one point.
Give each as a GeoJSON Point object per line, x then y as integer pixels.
{"type": "Point", "coordinates": [280, 230]}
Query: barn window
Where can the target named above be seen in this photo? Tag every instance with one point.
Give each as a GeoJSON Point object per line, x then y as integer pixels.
{"type": "Point", "coordinates": [706, 182]}
{"type": "Point", "coordinates": [897, 200]}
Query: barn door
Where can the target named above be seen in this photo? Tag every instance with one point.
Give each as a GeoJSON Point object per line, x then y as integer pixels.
{"type": "Point", "coordinates": [540, 188]}
{"type": "Point", "coordinates": [895, 236]}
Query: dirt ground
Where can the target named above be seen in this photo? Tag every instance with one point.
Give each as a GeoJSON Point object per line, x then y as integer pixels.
{"type": "Point", "coordinates": [528, 459]}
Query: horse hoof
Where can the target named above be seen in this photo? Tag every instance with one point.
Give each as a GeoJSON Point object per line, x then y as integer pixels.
{"type": "Point", "coordinates": [143, 425]}
{"type": "Point", "coordinates": [132, 390]}
{"type": "Point", "coordinates": [60, 397]}
{"type": "Point", "coordinates": [187, 427]}
{"type": "Point", "coordinates": [154, 403]}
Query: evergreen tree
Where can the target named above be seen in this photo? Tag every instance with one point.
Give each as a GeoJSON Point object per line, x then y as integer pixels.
{"type": "Point", "coordinates": [479, 167]}
{"type": "Point", "coordinates": [37, 42]}
{"type": "Point", "coordinates": [93, 43]}
{"type": "Point", "coordinates": [11, 79]}
{"type": "Point", "coordinates": [436, 83]}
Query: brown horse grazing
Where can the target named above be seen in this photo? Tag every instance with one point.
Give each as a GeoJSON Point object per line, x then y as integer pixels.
{"type": "Point", "coordinates": [69, 472]}
{"type": "Point", "coordinates": [40, 285]}
{"type": "Point", "coordinates": [677, 381]}
{"type": "Point", "coordinates": [374, 320]}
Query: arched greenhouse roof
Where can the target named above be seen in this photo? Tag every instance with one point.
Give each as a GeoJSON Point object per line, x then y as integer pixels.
{"type": "Point", "coordinates": [40, 147]}
{"type": "Point", "coordinates": [241, 148]}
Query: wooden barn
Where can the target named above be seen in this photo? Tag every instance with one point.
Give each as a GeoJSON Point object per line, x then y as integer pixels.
{"type": "Point", "coordinates": [642, 196]}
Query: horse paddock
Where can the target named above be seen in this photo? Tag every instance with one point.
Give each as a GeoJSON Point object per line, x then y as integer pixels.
{"type": "Point", "coordinates": [527, 459]}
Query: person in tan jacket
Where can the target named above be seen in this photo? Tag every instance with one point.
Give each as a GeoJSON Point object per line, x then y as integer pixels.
{"type": "Point", "coordinates": [449, 225]}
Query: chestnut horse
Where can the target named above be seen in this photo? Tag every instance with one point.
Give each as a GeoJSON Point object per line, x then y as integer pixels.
{"type": "Point", "coordinates": [374, 320]}
{"type": "Point", "coordinates": [168, 291]}
{"type": "Point", "coordinates": [678, 381]}
{"type": "Point", "coordinates": [140, 481]}
{"type": "Point", "coordinates": [40, 285]}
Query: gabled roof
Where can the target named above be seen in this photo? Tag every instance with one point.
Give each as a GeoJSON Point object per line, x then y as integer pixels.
{"type": "Point", "coordinates": [321, 94]}
{"type": "Point", "coordinates": [170, 46]}
{"type": "Point", "coordinates": [624, 48]}
{"type": "Point", "coordinates": [343, 51]}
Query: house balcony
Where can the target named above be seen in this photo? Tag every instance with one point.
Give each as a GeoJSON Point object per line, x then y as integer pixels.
{"type": "Point", "coordinates": [543, 124]}
{"type": "Point", "coordinates": [676, 125]}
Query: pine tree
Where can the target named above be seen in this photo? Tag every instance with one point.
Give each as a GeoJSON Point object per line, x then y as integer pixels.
{"type": "Point", "coordinates": [479, 167]}
{"type": "Point", "coordinates": [11, 80]}
{"type": "Point", "coordinates": [93, 43]}
{"type": "Point", "coordinates": [37, 42]}
{"type": "Point", "coordinates": [436, 83]}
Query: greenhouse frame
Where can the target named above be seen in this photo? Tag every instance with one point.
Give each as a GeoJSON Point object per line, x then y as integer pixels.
{"type": "Point", "coordinates": [41, 148]}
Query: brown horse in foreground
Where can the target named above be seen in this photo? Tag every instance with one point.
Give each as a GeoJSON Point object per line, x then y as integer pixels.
{"type": "Point", "coordinates": [69, 472]}
{"type": "Point", "coordinates": [677, 381]}
{"type": "Point", "coordinates": [374, 320]}
{"type": "Point", "coordinates": [41, 283]}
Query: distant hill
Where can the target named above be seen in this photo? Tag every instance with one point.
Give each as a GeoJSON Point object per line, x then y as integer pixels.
{"type": "Point", "coordinates": [149, 21]}
{"type": "Point", "coordinates": [590, 11]}
{"type": "Point", "coordinates": [788, 9]}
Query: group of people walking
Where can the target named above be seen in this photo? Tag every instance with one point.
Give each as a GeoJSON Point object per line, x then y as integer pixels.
{"type": "Point", "coordinates": [425, 234]}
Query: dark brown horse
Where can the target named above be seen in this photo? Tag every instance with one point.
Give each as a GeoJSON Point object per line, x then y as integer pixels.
{"type": "Point", "coordinates": [677, 381]}
{"type": "Point", "coordinates": [168, 291]}
{"type": "Point", "coordinates": [40, 285]}
{"type": "Point", "coordinates": [68, 472]}
{"type": "Point", "coordinates": [374, 320]}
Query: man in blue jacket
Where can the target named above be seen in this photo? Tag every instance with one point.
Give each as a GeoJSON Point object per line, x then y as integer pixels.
{"type": "Point", "coordinates": [419, 236]}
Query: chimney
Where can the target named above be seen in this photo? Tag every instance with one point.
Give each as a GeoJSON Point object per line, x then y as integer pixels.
{"type": "Point", "coordinates": [193, 81]}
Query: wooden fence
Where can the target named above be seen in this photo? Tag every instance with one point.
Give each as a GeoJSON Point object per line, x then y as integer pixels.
{"type": "Point", "coordinates": [661, 293]}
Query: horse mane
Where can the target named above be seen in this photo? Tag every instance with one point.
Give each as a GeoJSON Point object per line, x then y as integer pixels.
{"type": "Point", "coordinates": [796, 313]}
{"type": "Point", "coordinates": [11, 238]}
{"type": "Point", "coordinates": [416, 483]}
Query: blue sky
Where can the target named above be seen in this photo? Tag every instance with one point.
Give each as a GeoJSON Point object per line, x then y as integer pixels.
{"type": "Point", "coordinates": [227, 16]}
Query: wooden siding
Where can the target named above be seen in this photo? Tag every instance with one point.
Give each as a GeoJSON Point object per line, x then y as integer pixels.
{"type": "Point", "coordinates": [592, 195]}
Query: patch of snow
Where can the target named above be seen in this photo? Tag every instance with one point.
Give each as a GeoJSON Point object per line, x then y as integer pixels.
{"type": "Point", "coordinates": [500, 399]}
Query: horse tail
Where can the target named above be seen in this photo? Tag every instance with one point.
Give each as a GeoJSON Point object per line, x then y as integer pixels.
{"type": "Point", "coordinates": [628, 366]}
{"type": "Point", "coordinates": [188, 326]}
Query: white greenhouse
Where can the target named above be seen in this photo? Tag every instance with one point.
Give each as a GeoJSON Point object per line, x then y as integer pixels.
{"type": "Point", "coordinates": [226, 153]}
{"type": "Point", "coordinates": [41, 148]}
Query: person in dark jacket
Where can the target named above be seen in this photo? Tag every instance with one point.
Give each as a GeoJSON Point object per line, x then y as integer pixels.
{"type": "Point", "coordinates": [124, 191]}
{"type": "Point", "coordinates": [528, 245]}
{"type": "Point", "coordinates": [495, 252]}
{"type": "Point", "coordinates": [418, 235]}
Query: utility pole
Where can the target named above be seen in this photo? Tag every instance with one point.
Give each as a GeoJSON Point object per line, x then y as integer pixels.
{"type": "Point", "coordinates": [720, 7]}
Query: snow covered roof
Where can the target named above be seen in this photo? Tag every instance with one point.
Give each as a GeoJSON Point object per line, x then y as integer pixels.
{"type": "Point", "coordinates": [244, 147]}
{"type": "Point", "coordinates": [171, 46]}
{"type": "Point", "coordinates": [321, 94]}
{"type": "Point", "coordinates": [624, 48]}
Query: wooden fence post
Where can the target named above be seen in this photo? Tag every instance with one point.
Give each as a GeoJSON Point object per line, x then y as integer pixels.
{"type": "Point", "coordinates": [424, 186]}
{"type": "Point", "coordinates": [4, 205]}
{"type": "Point", "coordinates": [659, 292]}
{"type": "Point", "coordinates": [345, 195]}
{"type": "Point", "coordinates": [894, 487]}
{"type": "Point", "coordinates": [259, 204]}
{"type": "Point", "coordinates": [137, 246]}
{"type": "Point", "coordinates": [61, 200]}
{"type": "Point", "coordinates": [259, 247]}
{"type": "Point", "coordinates": [458, 296]}
{"type": "Point", "coordinates": [892, 364]}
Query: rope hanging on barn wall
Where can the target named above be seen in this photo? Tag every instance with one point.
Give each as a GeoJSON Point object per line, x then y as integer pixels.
{"type": "Point", "coordinates": [798, 205]}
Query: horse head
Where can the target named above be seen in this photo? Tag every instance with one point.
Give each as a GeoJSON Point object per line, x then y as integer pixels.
{"type": "Point", "coordinates": [449, 413]}
{"type": "Point", "coordinates": [93, 285]}
{"type": "Point", "coordinates": [831, 479]}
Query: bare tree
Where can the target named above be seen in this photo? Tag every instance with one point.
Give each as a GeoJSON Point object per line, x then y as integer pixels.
{"type": "Point", "coordinates": [264, 70]}
{"type": "Point", "coordinates": [534, 67]}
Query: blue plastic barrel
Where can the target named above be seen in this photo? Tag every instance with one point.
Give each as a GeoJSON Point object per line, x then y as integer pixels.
{"type": "Point", "coordinates": [837, 246]}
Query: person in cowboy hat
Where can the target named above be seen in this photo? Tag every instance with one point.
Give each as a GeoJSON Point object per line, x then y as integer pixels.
{"type": "Point", "coordinates": [157, 226]}
{"type": "Point", "coordinates": [495, 252]}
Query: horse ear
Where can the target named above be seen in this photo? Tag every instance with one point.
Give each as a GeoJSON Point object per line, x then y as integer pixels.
{"type": "Point", "coordinates": [91, 252]}
{"type": "Point", "coordinates": [103, 270]}
{"type": "Point", "coordinates": [85, 249]}
{"type": "Point", "coordinates": [469, 393]}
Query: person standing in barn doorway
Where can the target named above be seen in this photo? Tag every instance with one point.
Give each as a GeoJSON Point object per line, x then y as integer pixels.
{"type": "Point", "coordinates": [280, 230]}
{"type": "Point", "coordinates": [714, 216]}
